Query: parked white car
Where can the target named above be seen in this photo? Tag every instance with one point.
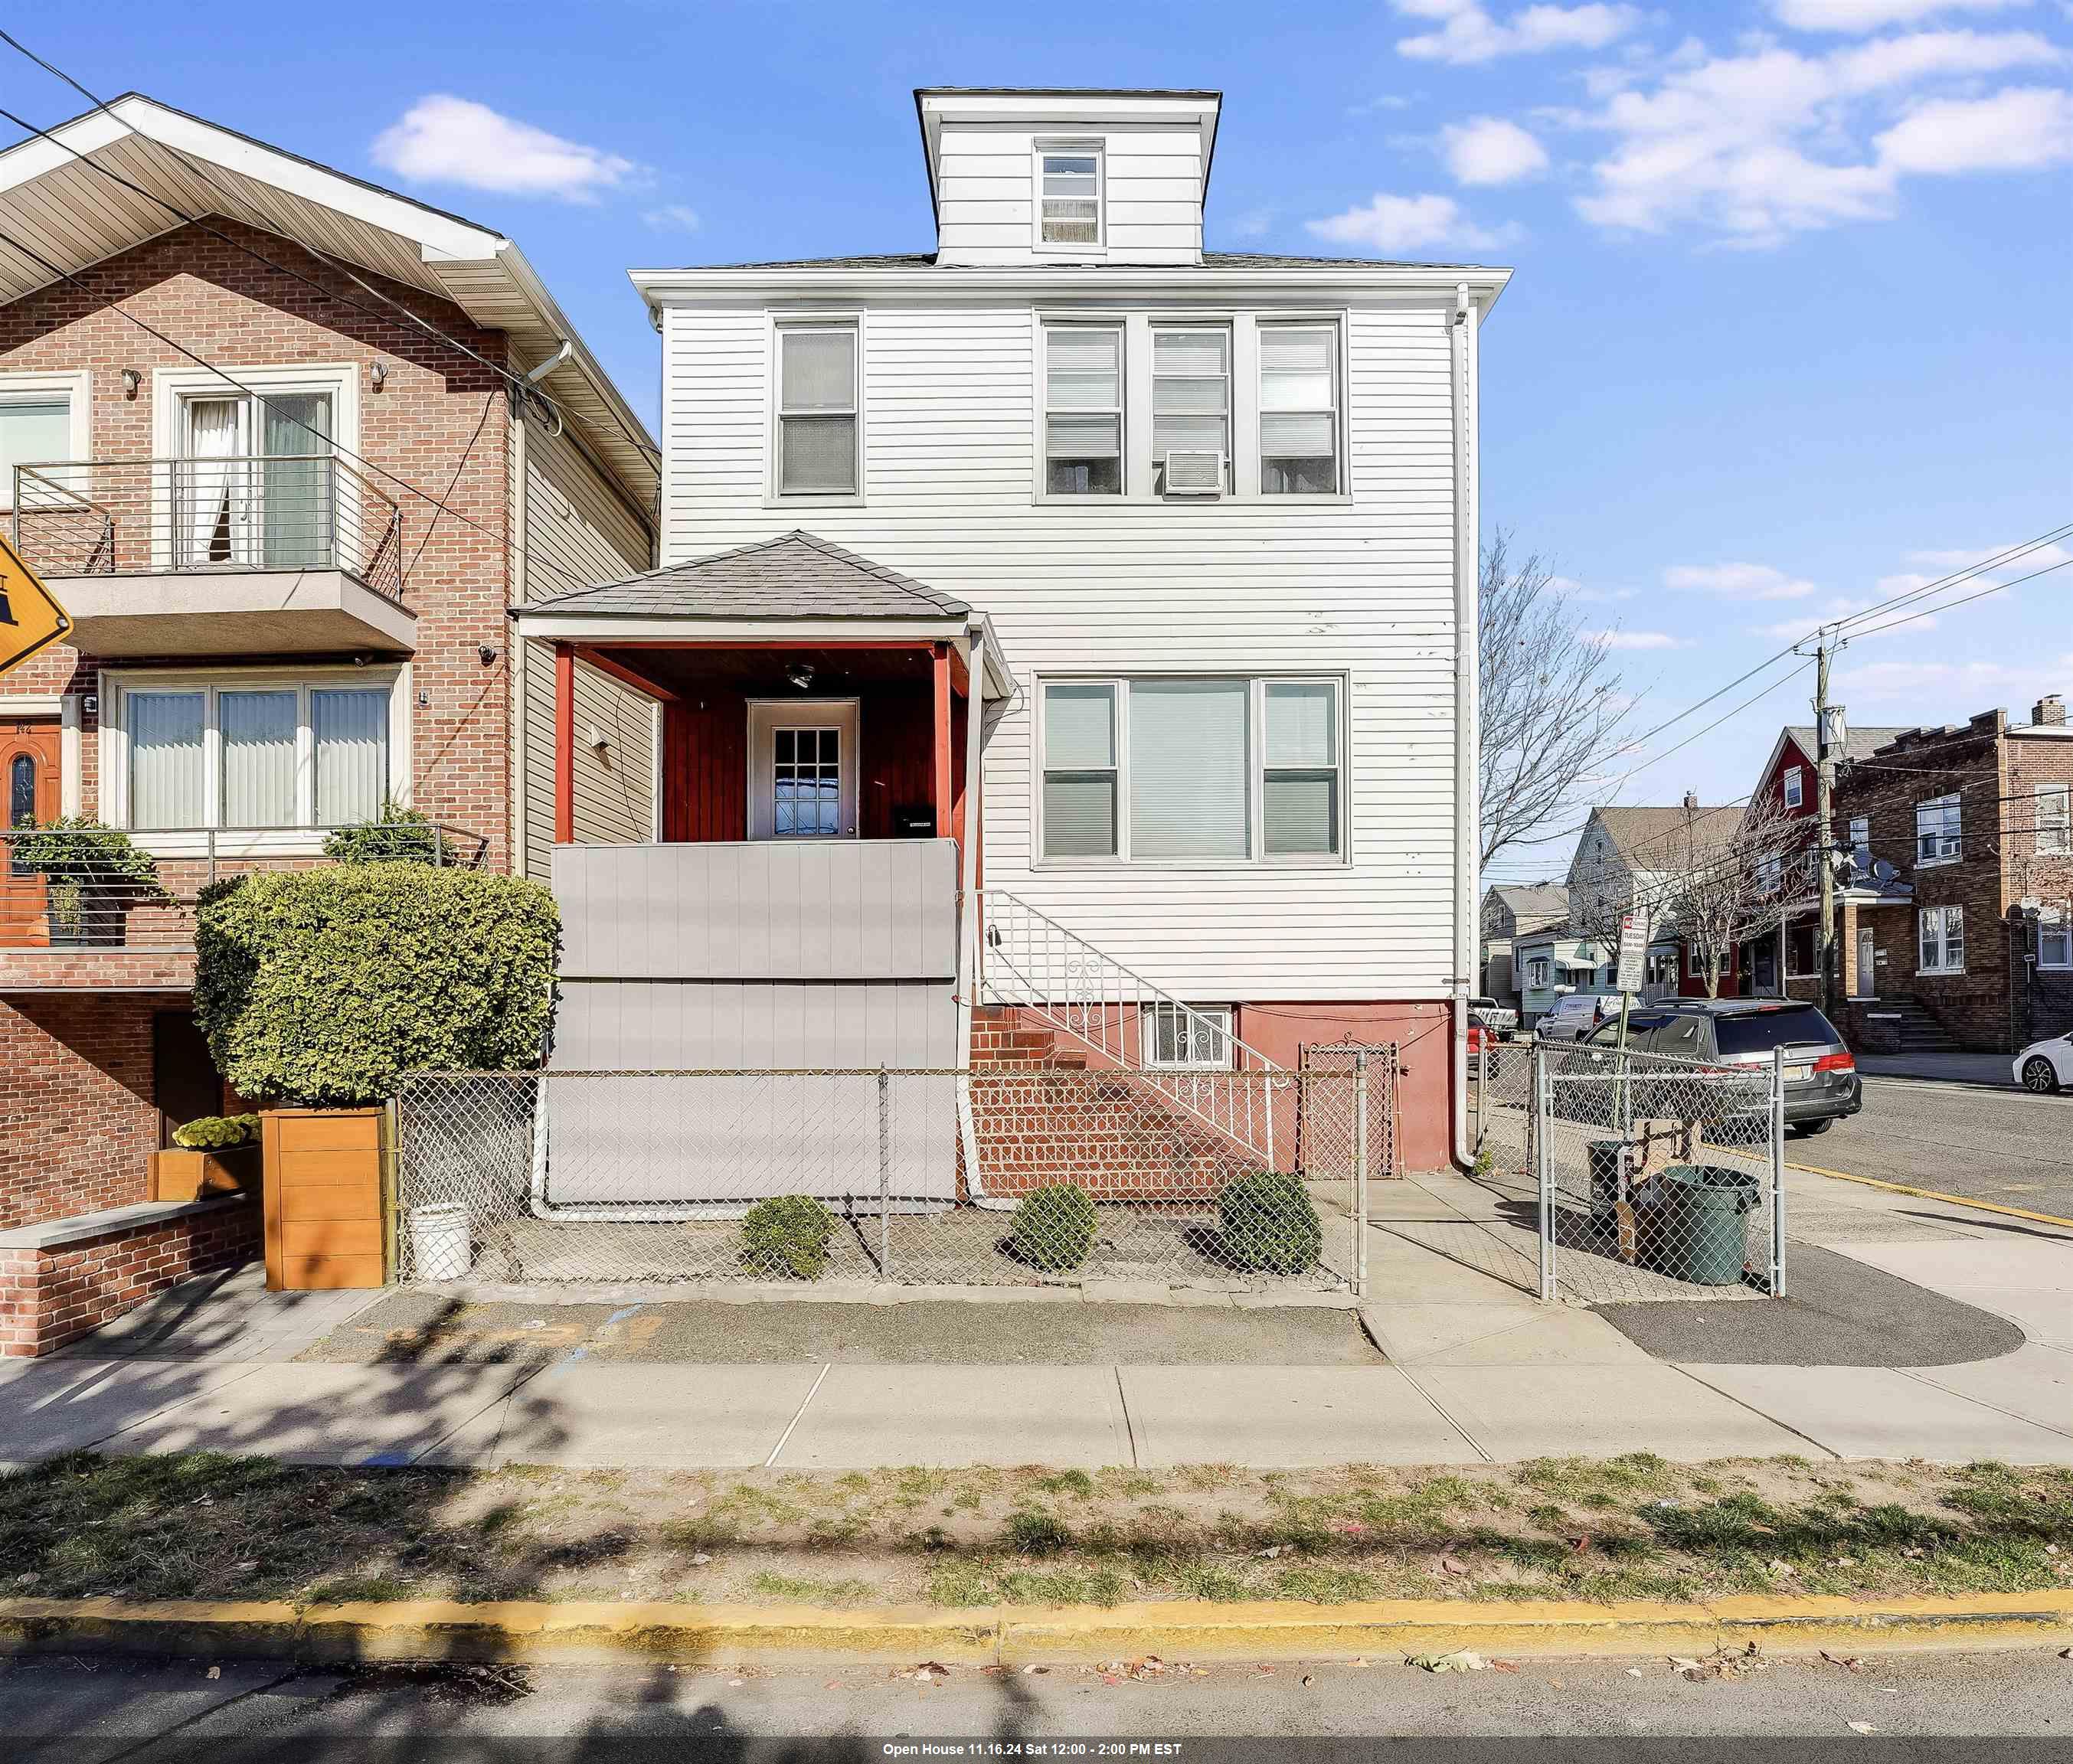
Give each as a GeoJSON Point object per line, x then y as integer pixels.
{"type": "Point", "coordinates": [2046, 1067]}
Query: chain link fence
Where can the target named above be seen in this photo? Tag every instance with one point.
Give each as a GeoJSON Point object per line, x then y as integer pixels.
{"type": "Point", "coordinates": [994, 1176]}
{"type": "Point", "coordinates": [1641, 1176]}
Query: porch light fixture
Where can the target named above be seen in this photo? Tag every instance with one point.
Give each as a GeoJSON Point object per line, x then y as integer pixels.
{"type": "Point", "coordinates": [379, 374]}
{"type": "Point", "coordinates": [800, 674]}
{"type": "Point", "coordinates": [131, 381]}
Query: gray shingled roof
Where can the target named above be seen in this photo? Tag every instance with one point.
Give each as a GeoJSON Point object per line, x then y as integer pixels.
{"type": "Point", "coordinates": [1528, 899]}
{"type": "Point", "coordinates": [1211, 260]}
{"type": "Point", "coordinates": [1637, 830]}
{"type": "Point", "coordinates": [1857, 743]}
{"type": "Point", "coordinates": [794, 576]}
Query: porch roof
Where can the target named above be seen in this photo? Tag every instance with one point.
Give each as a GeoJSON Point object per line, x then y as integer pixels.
{"type": "Point", "coordinates": [797, 587]}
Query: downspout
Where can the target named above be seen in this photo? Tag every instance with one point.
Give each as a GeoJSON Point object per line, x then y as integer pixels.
{"type": "Point", "coordinates": [969, 950]}
{"type": "Point", "coordinates": [1468, 834]}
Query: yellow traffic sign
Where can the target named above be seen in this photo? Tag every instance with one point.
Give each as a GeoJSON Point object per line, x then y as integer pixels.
{"type": "Point", "coordinates": [31, 618]}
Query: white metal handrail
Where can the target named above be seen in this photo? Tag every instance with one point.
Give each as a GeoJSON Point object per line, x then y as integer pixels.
{"type": "Point", "coordinates": [1033, 962]}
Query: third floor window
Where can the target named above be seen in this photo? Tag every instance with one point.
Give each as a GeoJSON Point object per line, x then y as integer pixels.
{"type": "Point", "coordinates": [1939, 834]}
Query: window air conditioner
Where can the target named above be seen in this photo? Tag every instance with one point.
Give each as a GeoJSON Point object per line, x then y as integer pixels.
{"type": "Point", "coordinates": [1197, 471]}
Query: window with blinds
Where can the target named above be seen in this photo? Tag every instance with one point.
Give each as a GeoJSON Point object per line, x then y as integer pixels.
{"type": "Point", "coordinates": [1069, 199]}
{"type": "Point", "coordinates": [1190, 396]}
{"type": "Point", "coordinates": [1299, 410]}
{"type": "Point", "coordinates": [817, 410]}
{"type": "Point", "coordinates": [1212, 771]}
{"type": "Point", "coordinates": [166, 773]}
{"type": "Point", "coordinates": [1083, 410]}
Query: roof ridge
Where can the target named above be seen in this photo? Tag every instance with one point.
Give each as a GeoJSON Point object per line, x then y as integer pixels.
{"type": "Point", "coordinates": [884, 573]}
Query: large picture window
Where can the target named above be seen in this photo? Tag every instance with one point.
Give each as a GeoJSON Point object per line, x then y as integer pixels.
{"type": "Point", "coordinates": [1198, 771]}
{"type": "Point", "coordinates": [817, 410]}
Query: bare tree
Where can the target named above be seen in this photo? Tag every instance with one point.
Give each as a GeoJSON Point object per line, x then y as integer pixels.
{"type": "Point", "coordinates": [1551, 703]}
{"type": "Point", "coordinates": [1723, 882]}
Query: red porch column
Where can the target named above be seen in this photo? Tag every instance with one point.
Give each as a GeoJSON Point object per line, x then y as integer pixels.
{"type": "Point", "coordinates": [942, 732]}
{"type": "Point", "coordinates": [565, 745]}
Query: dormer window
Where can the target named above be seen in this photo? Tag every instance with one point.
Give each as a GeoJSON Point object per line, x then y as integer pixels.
{"type": "Point", "coordinates": [1069, 197]}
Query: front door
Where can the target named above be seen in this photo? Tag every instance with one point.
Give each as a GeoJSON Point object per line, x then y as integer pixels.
{"type": "Point", "coordinates": [803, 768]}
{"type": "Point", "coordinates": [1867, 986]}
{"type": "Point", "coordinates": [29, 771]}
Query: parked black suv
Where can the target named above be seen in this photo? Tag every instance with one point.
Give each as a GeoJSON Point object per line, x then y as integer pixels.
{"type": "Point", "coordinates": [1821, 1083]}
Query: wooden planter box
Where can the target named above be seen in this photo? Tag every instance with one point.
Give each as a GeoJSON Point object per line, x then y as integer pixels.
{"type": "Point", "coordinates": [324, 1198]}
{"type": "Point", "coordinates": [178, 1174]}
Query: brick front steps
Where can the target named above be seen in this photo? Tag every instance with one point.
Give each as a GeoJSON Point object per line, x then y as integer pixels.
{"type": "Point", "coordinates": [62, 1279]}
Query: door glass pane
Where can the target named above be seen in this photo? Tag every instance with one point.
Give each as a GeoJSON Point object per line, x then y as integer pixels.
{"type": "Point", "coordinates": [258, 729]}
{"type": "Point", "coordinates": [211, 490]}
{"type": "Point", "coordinates": [297, 498]}
{"type": "Point", "coordinates": [165, 759]}
{"type": "Point", "coordinates": [807, 783]}
{"type": "Point", "coordinates": [352, 729]}
{"type": "Point", "coordinates": [22, 791]}
{"type": "Point", "coordinates": [1188, 769]}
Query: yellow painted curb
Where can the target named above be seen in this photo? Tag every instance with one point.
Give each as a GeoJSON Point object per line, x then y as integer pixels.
{"type": "Point", "coordinates": [1008, 1634]}
{"type": "Point", "coordinates": [1932, 1194]}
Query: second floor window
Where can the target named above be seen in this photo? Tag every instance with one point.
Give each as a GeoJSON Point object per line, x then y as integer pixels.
{"type": "Point", "coordinates": [1795, 786]}
{"type": "Point", "coordinates": [2055, 818]}
{"type": "Point", "coordinates": [1190, 399]}
{"type": "Point", "coordinates": [817, 410]}
{"type": "Point", "coordinates": [1939, 834]}
{"type": "Point", "coordinates": [33, 431]}
{"type": "Point", "coordinates": [1083, 410]}
{"type": "Point", "coordinates": [1299, 410]}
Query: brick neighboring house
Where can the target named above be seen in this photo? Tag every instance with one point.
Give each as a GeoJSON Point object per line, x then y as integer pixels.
{"type": "Point", "coordinates": [275, 627]}
{"type": "Point", "coordinates": [1511, 911]}
{"type": "Point", "coordinates": [1975, 817]}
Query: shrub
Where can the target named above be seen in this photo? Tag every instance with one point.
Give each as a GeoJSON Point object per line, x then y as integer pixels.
{"type": "Point", "coordinates": [787, 1237]}
{"type": "Point", "coordinates": [320, 988]}
{"type": "Point", "coordinates": [1268, 1222]}
{"type": "Point", "coordinates": [93, 872]}
{"type": "Point", "coordinates": [215, 1133]}
{"type": "Point", "coordinates": [397, 835]}
{"type": "Point", "coordinates": [1054, 1227]}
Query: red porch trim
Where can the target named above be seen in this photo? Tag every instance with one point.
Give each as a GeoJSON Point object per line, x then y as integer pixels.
{"type": "Point", "coordinates": [596, 658]}
{"type": "Point", "coordinates": [941, 699]}
{"type": "Point", "coordinates": [565, 745]}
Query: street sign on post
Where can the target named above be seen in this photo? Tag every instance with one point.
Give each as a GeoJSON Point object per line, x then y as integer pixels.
{"type": "Point", "coordinates": [31, 618]}
{"type": "Point", "coordinates": [1633, 952]}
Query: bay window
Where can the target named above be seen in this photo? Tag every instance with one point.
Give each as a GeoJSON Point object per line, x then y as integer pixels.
{"type": "Point", "coordinates": [1083, 410]}
{"type": "Point", "coordinates": [1210, 769]}
{"type": "Point", "coordinates": [818, 406]}
{"type": "Point", "coordinates": [1299, 409]}
{"type": "Point", "coordinates": [275, 755]}
{"type": "Point", "coordinates": [1942, 949]}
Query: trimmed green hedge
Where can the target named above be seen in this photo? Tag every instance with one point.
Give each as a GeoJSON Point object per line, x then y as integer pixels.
{"type": "Point", "coordinates": [1054, 1227]}
{"type": "Point", "coordinates": [1269, 1224]}
{"type": "Point", "coordinates": [217, 1133]}
{"type": "Point", "coordinates": [786, 1237]}
{"type": "Point", "coordinates": [320, 988]}
{"type": "Point", "coordinates": [395, 835]}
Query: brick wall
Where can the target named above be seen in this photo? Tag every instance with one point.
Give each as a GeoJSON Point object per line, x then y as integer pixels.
{"type": "Point", "coordinates": [77, 1117]}
{"type": "Point", "coordinates": [2043, 999]}
{"type": "Point", "coordinates": [439, 422]}
{"type": "Point", "coordinates": [51, 1297]}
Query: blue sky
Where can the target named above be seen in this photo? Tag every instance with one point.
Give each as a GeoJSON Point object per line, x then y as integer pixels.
{"type": "Point", "coordinates": [1792, 327]}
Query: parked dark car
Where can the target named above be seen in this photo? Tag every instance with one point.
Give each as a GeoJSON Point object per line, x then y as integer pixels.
{"type": "Point", "coordinates": [1821, 1081]}
{"type": "Point", "coordinates": [1574, 1015]}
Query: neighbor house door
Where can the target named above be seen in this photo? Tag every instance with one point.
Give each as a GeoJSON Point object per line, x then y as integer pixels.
{"type": "Point", "coordinates": [1867, 986]}
{"type": "Point", "coordinates": [803, 768]}
{"type": "Point", "coordinates": [29, 769]}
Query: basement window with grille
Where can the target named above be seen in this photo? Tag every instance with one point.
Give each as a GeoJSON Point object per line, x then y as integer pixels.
{"type": "Point", "coordinates": [1179, 1037]}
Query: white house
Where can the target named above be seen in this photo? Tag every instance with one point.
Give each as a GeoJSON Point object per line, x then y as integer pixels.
{"type": "Point", "coordinates": [1196, 529]}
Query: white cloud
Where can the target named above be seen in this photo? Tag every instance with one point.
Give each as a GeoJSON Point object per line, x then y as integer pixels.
{"type": "Point", "coordinates": [2017, 130]}
{"type": "Point", "coordinates": [1858, 16]}
{"type": "Point", "coordinates": [1489, 150]}
{"type": "Point", "coordinates": [1932, 693]}
{"type": "Point", "coordinates": [1252, 223]}
{"type": "Point", "coordinates": [1746, 581]}
{"type": "Point", "coordinates": [1637, 639]}
{"type": "Point", "coordinates": [1468, 33]}
{"type": "Point", "coordinates": [672, 217]}
{"type": "Point", "coordinates": [1757, 146]}
{"type": "Point", "coordinates": [1391, 224]}
{"type": "Point", "coordinates": [442, 139]}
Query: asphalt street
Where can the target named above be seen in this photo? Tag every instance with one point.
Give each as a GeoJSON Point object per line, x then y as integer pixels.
{"type": "Point", "coordinates": [97, 1711]}
{"type": "Point", "coordinates": [2007, 1147]}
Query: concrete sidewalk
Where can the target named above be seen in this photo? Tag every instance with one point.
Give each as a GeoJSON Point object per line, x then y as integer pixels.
{"type": "Point", "coordinates": [1476, 1370]}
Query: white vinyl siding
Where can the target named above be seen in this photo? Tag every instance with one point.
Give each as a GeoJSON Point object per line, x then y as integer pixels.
{"type": "Point", "coordinates": [1360, 588]}
{"type": "Point", "coordinates": [1942, 950]}
{"type": "Point", "coordinates": [1190, 394]}
{"type": "Point", "coordinates": [817, 410]}
{"type": "Point", "coordinates": [1299, 410]}
{"type": "Point", "coordinates": [1083, 410]}
{"type": "Point", "coordinates": [987, 195]}
{"type": "Point", "coordinates": [1938, 831]}
{"type": "Point", "coordinates": [2055, 818]}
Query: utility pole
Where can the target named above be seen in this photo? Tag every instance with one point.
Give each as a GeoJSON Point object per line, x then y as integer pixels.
{"type": "Point", "coordinates": [1824, 789]}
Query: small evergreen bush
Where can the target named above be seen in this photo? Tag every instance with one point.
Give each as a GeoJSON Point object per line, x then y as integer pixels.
{"type": "Point", "coordinates": [1269, 1224]}
{"type": "Point", "coordinates": [397, 835]}
{"type": "Point", "coordinates": [1054, 1227]}
{"type": "Point", "coordinates": [787, 1237]}
{"type": "Point", "coordinates": [217, 1133]}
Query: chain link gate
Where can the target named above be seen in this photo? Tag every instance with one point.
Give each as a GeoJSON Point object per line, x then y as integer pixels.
{"type": "Point", "coordinates": [996, 1177]}
{"type": "Point", "coordinates": [1656, 1178]}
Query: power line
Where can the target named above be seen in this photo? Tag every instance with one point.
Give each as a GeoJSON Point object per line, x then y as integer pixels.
{"type": "Point", "coordinates": [1951, 606]}
{"type": "Point", "coordinates": [1957, 577]}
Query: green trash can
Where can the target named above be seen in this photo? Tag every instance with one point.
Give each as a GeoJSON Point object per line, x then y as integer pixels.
{"type": "Point", "coordinates": [1699, 1233]}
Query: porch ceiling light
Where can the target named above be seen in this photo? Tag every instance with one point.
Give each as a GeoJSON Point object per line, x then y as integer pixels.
{"type": "Point", "coordinates": [800, 674]}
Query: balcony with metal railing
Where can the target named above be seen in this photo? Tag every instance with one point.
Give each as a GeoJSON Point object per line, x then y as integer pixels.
{"type": "Point", "coordinates": [279, 555]}
{"type": "Point", "coordinates": [85, 907]}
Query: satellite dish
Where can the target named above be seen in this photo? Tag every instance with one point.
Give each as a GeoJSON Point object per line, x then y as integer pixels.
{"type": "Point", "coordinates": [1882, 872]}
